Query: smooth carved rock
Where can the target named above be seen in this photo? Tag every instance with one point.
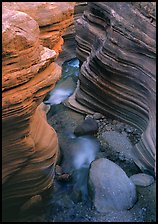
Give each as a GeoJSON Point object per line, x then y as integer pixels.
{"type": "Point", "coordinates": [112, 190]}
{"type": "Point", "coordinates": [53, 19]}
{"type": "Point", "coordinates": [29, 144]}
{"type": "Point", "coordinates": [116, 42]}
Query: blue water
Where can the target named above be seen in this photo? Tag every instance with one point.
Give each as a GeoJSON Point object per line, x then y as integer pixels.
{"type": "Point", "coordinates": [66, 85]}
{"type": "Point", "coordinates": [78, 152]}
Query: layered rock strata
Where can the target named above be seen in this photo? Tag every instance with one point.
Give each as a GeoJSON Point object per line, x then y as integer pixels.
{"type": "Point", "coordinates": [29, 144]}
{"type": "Point", "coordinates": [116, 44]}
{"type": "Point", "coordinates": [69, 47]}
{"type": "Point", "coordinates": [53, 19]}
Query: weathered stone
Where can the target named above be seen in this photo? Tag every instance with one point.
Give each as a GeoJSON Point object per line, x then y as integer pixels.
{"type": "Point", "coordinates": [142, 179]}
{"type": "Point", "coordinates": [111, 189]}
{"type": "Point", "coordinates": [118, 143]}
{"type": "Point", "coordinates": [88, 127]}
{"type": "Point", "coordinates": [97, 116]}
{"type": "Point", "coordinates": [53, 19]}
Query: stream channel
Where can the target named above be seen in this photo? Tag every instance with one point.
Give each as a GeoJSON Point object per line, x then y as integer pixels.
{"type": "Point", "coordinates": [69, 199]}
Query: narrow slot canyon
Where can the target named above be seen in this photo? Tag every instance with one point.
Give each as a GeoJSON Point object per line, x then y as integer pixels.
{"type": "Point", "coordinates": [79, 111]}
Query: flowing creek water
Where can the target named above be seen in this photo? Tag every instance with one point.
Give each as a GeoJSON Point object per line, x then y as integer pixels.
{"type": "Point", "coordinates": [69, 199]}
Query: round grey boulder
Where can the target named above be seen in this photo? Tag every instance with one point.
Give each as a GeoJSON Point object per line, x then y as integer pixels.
{"type": "Point", "coordinates": [111, 189]}
{"type": "Point", "coordinates": [142, 179]}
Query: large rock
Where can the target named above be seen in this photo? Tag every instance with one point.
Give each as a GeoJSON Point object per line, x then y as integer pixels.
{"type": "Point", "coordinates": [87, 127]}
{"type": "Point", "coordinates": [116, 42]}
{"type": "Point", "coordinates": [29, 144]}
{"type": "Point", "coordinates": [112, 190]}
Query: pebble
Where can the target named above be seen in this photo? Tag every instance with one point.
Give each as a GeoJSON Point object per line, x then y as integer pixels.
{"type": "Point", "coordinates": [108, 128]}
{"type": "Point", "coordinates": [128, 130]}
{"type": "Point", "coordinates": [64, 177]}
{"type": "Point", "coordinates": [97, 116]}
{"type": "Point", "coordinates": [58, 170]}
{"type": "Point", "coordinates": [114, 122]}
{"type": "Point", "coordinates": [88, 116]}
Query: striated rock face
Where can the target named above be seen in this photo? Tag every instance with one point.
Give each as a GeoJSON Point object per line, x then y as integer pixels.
{"type": "Point", "coordinates": [69, 47]}
{"type": "Point", "coordinates": [29, 144]}
{"type": "Point", "coordinates": [116, 44]}
{"type": "Point", "coordinates": [53, 19]}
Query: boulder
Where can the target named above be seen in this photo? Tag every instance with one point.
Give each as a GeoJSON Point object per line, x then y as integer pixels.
{"type": "Point", "coordinates": [88, 127]}
{"type": "Point", "coordinates": [111, 189]}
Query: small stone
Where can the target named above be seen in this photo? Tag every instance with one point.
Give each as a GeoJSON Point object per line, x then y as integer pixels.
{"type": "Point", "coordinates": [108, 128]}
{"type": "Point", "coordinates": [97, 116]}
{"type": "Point", "coordinates": [142, 179]}
{"type": "Point", "coordinates": [114, 122]}
{"type": "Point", "coordinates": [58, 170]}
{"type": "Point", "coordinates": [88, 116]}
{"type": "Point", "coordinates": [128, 130]}
{"type": "Point", "coordinates": [64, 177]}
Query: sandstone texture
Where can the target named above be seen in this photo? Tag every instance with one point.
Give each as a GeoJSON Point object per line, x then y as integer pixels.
{"type": "Point", "coordinates": [112, 190]}
{"type": "Point", "coordinates": [69, 47]}
{"type": "Point", "coordinates": [53, 19]}
{"type": "Point", "coordinates": [29, 144]}
{"type": "Point", "coordinates": [116, 44]}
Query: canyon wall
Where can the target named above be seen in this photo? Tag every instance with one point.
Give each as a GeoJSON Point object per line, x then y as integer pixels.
{"type": "Point", "coordinates": [69, 47]}
{"type": "Point", "coordinates": [29, 144]}
{"type": "Point", "coordinates": [116, 44]}
{"type": "Point", "coordinates": [53, 18]}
